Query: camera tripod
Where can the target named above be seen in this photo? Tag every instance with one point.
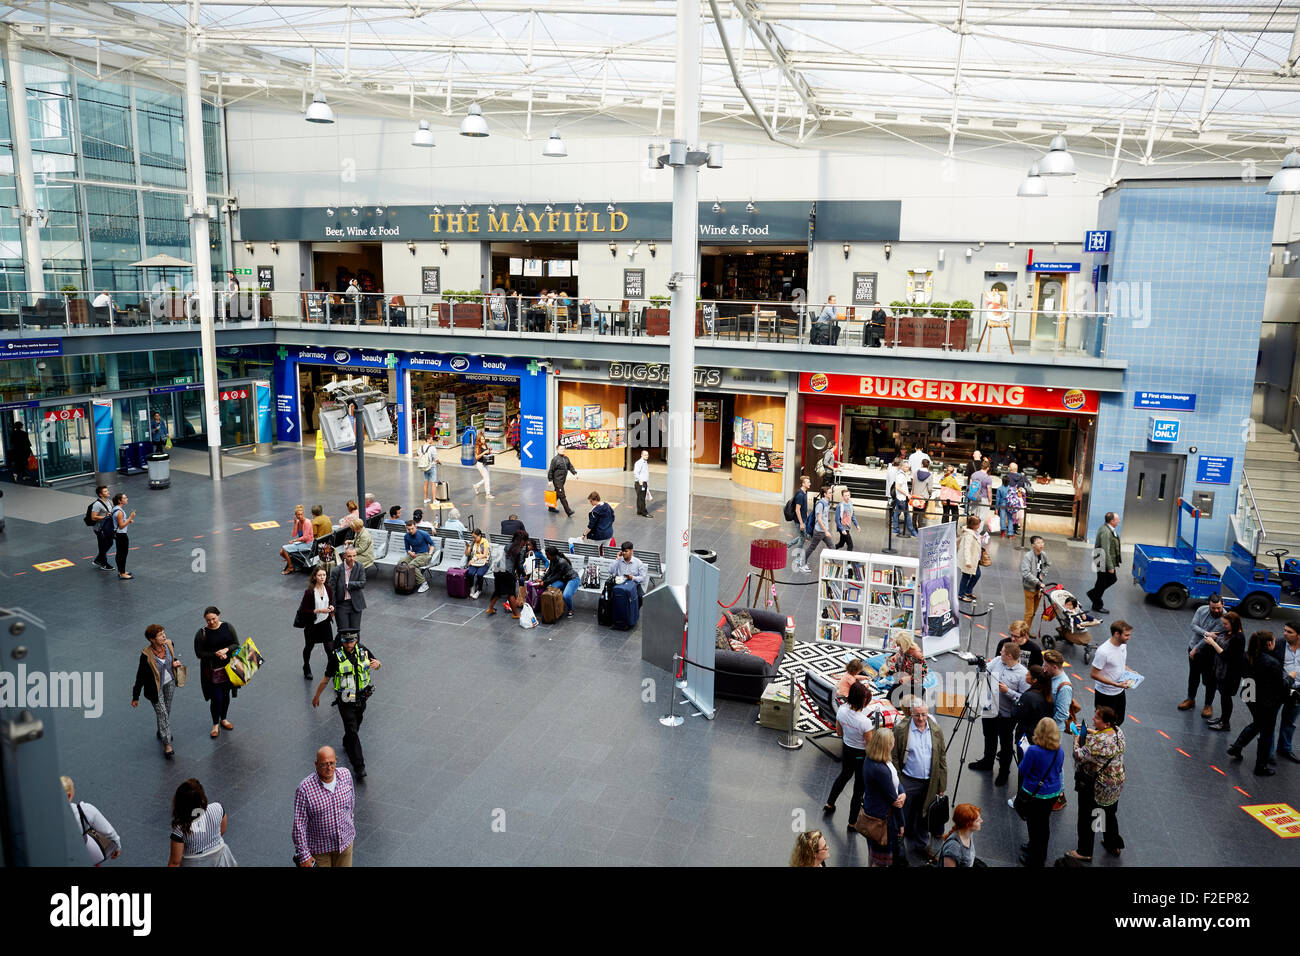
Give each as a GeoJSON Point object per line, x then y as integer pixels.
{"type": "Point", "coordinates": [971, 709]}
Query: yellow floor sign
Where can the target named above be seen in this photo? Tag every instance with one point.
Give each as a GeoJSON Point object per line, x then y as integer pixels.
{"type": "Point", "coordinates": [263, 525]}
{"type": "Point", "coordinates": [53, 565]}
{"type": "Point", "coordinates": [1278, 817]}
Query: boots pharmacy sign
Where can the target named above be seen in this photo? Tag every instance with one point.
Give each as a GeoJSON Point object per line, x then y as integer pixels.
{"type": "Point", "coordinates": [889, 390]}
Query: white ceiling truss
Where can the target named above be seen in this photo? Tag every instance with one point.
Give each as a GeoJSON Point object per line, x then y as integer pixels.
{"type": "Point", "coordinates": [1165, 82]}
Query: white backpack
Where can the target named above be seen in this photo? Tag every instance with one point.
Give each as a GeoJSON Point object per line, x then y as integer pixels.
{"type": "Point", "coordinates": [427, 458]}
{"type": "Point", "coordinates": [527, 616]}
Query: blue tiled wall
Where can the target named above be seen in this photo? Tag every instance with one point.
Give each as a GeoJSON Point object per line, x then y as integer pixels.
{"type": "Point", "coordinates": [1202, 251]}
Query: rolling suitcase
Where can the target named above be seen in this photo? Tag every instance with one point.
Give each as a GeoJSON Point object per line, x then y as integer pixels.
{"type": "Point", "coordinates": [457, 583]}
{"type": "Point", "coordinates": [552, 606]}
{"type": "Point", "coordinates": [442, 491]}
{"type": "Point", "coordinates": [605, 607]}
{"type": "Point", "coordinates": [405, 578]}
{"type": "Point", "coordinates": [533, 595]}
{"type": "Point", "coordinates": [625, 605]}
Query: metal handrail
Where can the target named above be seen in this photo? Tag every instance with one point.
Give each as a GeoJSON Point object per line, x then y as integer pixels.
{"type": "Point", "coordinates": [1250, 493]}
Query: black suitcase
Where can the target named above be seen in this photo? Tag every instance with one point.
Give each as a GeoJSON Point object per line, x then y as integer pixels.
{"type": "Point", "coordinates": [605, 607]}
{"type": "Point", "coordinates": [406, 579]}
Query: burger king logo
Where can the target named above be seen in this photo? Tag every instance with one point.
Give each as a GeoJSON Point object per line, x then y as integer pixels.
{"type": "Point", "coordinates": [1073, 399]}
{"type": "Point", "coordinates": [818, 382]}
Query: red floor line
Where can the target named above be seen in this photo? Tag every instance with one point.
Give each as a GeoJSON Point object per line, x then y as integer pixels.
{"type": "Point", "coordinates": [1242, 792]}
{"type": "Point", "coordinates": [158, 545]}
{"type": "Point", "coordinates": [1134, 719]}
{"type": "Point", "coordinates": [1184, 753]}
{"type": "Point", "coordinates": [177, 539]}
{"type": "Point", "coordinates": [19, 574]}
{"type": "Point", "coordinates": [136, 548]}
{"type": "Point", "coordinates": [1091, 691]}
{"type": "Point", "coordinates": [1000, 634]}
{"type": "Point", "coordinates": [1165, 735]}
{"type": "Point", "coordinates": [197, 536]}
{"type": "Point", "coordinates": [981, 627]}
{"type": "Point", "coordinates": [1217, 770]}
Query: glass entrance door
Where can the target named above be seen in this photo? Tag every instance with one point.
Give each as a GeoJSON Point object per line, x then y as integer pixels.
{"type": "Point", "coordinates": [188, 428]}
{"type": "Point", "coordinates": [237, 425]}
{"type": "Point", "coordinates": [66, 446]}
{"type": "Point", "coordinates": [19, 440]}
{"type": "Point", "coordinates": [1049, 306]}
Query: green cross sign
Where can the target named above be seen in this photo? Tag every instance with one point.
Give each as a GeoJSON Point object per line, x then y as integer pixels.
{"type": "Point", "coordinates": [282, 354]}
{"type": "Point", "coordinates": [533, 367]}
{"type": "Point", "coordinates": [391, 360]}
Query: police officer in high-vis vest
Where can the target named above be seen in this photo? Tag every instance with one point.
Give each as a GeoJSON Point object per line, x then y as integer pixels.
{"type": "Point", "coordinates": [349, 668]}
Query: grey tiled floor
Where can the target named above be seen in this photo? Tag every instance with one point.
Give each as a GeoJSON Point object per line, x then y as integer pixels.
{"type": "Point", "coordinates": [544, 732]}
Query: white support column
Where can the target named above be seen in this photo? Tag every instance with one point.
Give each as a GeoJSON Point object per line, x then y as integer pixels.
{"type": "Point", "coordinates": [681, 336]}
{"type": "Point", "coordinates": [196, 168]}
{"type": "Point", "coordinates": [33, 265]}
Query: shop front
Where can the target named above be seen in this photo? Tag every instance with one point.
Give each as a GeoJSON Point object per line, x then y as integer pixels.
{"type": "Point", "coordinates": [429, 394]}
{"type": "Point", "coordinates": [607, 413]}
{"type": "Point", "coordinates": [1047, 432]}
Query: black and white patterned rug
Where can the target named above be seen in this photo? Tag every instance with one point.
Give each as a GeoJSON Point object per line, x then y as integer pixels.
{"type": "Point", "coordinates": [820, 657]}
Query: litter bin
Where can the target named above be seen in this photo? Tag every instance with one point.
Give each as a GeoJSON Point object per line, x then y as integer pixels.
{"type": "Point", "coordinates": [710, 557]}
{"type": "Point", "coordinates": [159, 470]}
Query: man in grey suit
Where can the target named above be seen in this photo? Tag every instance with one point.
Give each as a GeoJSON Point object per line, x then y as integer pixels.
{"type": "Point", "coordinates": [347, 590]}
{"type": "Point", "coordinates": [1106, 559]}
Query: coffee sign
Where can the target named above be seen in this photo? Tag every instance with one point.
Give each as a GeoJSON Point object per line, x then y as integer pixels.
{"type": "Point", "coordinates": [864, 288]}
{"type": "Point", "coordinates": [633, 284]}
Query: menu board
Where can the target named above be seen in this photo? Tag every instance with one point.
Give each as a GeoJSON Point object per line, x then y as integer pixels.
{"type": "Point", "coordinates": [431, 280]}
{"type": "Point", "coordinates": [591, 416]}
{"type": "Point", "coordinates": [708, 411]}
{"type": "Point", "coordinates": [572, 417]}
{"type": "Point", "coordinates": [753, 459]}
{"type": "Point", "coordinates": [558, 268]}
{"type": "Point", "coordinates": [864, 288]}
{"type": "Point", "coordinates": [266, 278]}
{"type": "Point", "coordinates": [533, 267]}
{"type": "Point", "coordinates": [516, 266]}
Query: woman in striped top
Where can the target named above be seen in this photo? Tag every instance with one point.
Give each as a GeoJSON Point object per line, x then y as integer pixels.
{"type": "Point", "coordinates": [198, 829]}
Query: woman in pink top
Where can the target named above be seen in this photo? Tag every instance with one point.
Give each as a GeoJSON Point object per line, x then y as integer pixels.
{"type": "Point", "coordinates": [300, 542]}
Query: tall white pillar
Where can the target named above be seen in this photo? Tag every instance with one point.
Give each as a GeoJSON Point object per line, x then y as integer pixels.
{"type": "Point", "coordinates": [202, 254]}
{"type": "Point", "coordinates": [33, 265]}
{"type": "Point", "coordinates": [681, 335]}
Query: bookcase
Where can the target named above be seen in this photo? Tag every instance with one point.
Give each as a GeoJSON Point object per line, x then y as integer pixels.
{"type": "Point", "coordinates": [863, 598]}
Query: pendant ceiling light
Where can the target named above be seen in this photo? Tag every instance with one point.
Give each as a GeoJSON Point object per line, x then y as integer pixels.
{"type": "Point", "coordinates": [1058, 161]}
{"type": "Point", "coordinates": [1286, 181]}
{"type": "Point", "coordinates": [319, 111]}
{"type": "Point", "coordinates": [474, 124]}
{"type": "Point", "coordinates": [423, 135]}
{"type": "Point", "coordinates": [554, 147]}
{"type": "Point", "coordinates": [1033, 187]}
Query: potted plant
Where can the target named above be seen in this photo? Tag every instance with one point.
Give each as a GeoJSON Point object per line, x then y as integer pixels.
{"type": "Point", "coordinates": [656, 316]}
{"type": "Point", "coordinates": [77, 311]}
{"type": "Point", "coordinates": [960, 325]}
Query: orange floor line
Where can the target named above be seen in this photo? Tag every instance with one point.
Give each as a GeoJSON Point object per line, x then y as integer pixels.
{"type": "Point", "coordinates": [158, 545]}
{"type": "Point", "coordinates": [176, 539]}
{"type": "Point", "coordinates": [1242, 792]}
{"type": "Point", "coordinates": [1165, 735]}
{"type": "Point", "coordinates": [1091, 691]}
{"type": "Point", "coordinates": [1217, 770]}
{"type": "Point", "coordinates": [1134, 719]}
{"type": "Point", "coordinates": [1184, 753]}
{"type": "Point", "coordinates": [19, 574]}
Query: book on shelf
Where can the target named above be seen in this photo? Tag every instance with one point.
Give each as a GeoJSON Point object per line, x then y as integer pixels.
{"type": "Point", "coordinates": [853, 592]}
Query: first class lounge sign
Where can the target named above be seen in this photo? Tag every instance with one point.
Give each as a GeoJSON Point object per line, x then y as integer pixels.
{"type": "Point", "coordinates": [932, 391]}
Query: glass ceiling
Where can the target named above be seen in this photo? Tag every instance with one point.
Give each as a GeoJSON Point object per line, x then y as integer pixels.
{"type": "Point", "coordinates": [1174, 81]}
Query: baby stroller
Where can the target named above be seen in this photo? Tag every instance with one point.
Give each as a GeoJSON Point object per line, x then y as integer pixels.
{"type": "Point", "coordinates": [1055, 611]}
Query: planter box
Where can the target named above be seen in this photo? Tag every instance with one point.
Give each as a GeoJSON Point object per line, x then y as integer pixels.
{"type": "Point", "coordinates": [78, 312]}
{"type": "Point", "coordinates": [466, 315]}
{"type": "Point", "coordinates": [656, 321]}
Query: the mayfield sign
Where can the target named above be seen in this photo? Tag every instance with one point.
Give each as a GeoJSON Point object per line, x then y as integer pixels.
{"type": "Point", "coordinates": [931, 391]}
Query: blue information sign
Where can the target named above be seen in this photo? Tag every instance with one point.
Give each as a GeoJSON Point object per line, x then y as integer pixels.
{"type": "Point", "coordinates": [1115, 466]}
{"type": "Point", "coordinates": [1162, 429]}
{"type": "Point", "coordinates": [1055, 266]}
{"type": "Point", "coordinates": [1213, 470]}
{"type": "Point", "coordinates": [30, 348]}
{"type": "Point", "coordinates": [1172, 401]}
{"type": "Point", "coordinates": [1097, 240]}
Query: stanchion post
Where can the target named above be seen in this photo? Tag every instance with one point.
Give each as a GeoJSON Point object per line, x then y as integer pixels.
{"type": "Point", "coordinates": [889, 526]}
{"type": "Point", "coordinates": [791, 740]}
{"type": "Point", "coordinates": [1024, 527]}
{"type": "Point", "coordinates": [672, 718]}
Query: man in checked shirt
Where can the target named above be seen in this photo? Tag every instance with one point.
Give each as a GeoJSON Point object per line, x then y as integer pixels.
{"type": "Point", "coordinates": [323, 824]}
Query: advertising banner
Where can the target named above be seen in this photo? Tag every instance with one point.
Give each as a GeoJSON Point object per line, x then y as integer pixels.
{"type": "Point", "coordinates": [937, 582]}
{"type": "Point", "coordinates": [265, 420]}
{"type": "Point", "coordinates": [105, 447]}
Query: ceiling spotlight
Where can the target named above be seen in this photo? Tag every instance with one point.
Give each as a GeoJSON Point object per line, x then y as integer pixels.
{"type": "Point", "coordinates": [717, 207]}
{"type": "Point", "coordinates": [379, 210]}
{"type": "Point", "coordinates": [1058, 161]}
{"type": "Point", "coordinates": [437, 210]}
{"type": "Point", "coordinates": [613, 248]}
{"type": "Point", "coordinates": [1033, 187]}
{"type": "Point", "coordinates": [329, 211]}
{"type": "Point", "coordinates": [609, 208]}
{"type": "Point", "coordinates": [423, 135]}
{"type": "Point", "coordinates": [519, 207]}
{"type": "Point", "coordinates": [1286, 181]}
{"type": "Point", "coordinates": [750, 207]}
{"type": "Point", "coordinates": [554, 147]}
{"type": "Point", "coordinates": [549, 209]}
{"type": "Point", "coordinates": [651, 247]}
{"type": "Point", "coordinates": [248, 247]}
{"type": "Point", "coordinates": [888, 249]}
{"type": "Point", "coordinates": [319, 111]}
{"type": "Point", "coordinates": [846, 247]}
{"type": "Point", "coordinates": [443, 246]}
{"type": "Point", "coordinates": [275, 246]}
{"type": "Point", "coordinates": [492, 209]}
{"type": "Point", "coordinates": [356, 211]}
{"type": "Point", "coordinates": [474, 124]}
{"type": "Point", "coordinates": [577, 207]}
{"type": "Point", "coordinates": [410, 246]}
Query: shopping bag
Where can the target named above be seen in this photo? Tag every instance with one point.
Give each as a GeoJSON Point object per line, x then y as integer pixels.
{"type": "Point", "coordinates": [527, 616]}
{"type": "Point", "coordinates": [168, 444]}
{"type": "Point", "coordinates": [995, 523]}
{"type": "Point", "coordinates": [243, 664]}
{"type": "Point", "coordinates": [551, 499]}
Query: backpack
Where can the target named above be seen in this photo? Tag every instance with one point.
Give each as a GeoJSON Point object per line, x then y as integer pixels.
{"type": "Point", "coordinates": [973, 490]}
{"type": "Point", "coordinates": [790, 513]}
{"type": "Point", "coordinates": [425, 461]}
{"type": "Point", "coordinates": [90, 518]}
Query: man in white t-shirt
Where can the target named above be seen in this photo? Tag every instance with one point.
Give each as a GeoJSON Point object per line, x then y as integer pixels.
{"type": "Point", "coordinates": [641, 476]}
{"type": "Point", "coordinates": [1109, 664]}
{"type": "Point", "coordinates": [917, 458]}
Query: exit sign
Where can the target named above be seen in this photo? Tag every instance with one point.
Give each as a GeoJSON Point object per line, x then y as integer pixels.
{"type": "Point", "coordinates": [243, 272]}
